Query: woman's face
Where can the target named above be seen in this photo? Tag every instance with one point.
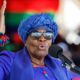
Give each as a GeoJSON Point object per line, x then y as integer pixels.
{"type": "Point", "coordinates": [38, 46]}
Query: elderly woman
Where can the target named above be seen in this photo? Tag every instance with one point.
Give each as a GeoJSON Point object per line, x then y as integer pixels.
{"type": "Point", "coordinates": [33, 62]}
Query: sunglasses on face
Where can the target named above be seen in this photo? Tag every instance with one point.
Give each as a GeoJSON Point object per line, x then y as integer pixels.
{"type": "Point", "coordinates": [37, 35]}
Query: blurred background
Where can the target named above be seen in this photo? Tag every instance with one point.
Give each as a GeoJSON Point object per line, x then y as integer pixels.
{"type": "Point", "coordinates": [66, 13]}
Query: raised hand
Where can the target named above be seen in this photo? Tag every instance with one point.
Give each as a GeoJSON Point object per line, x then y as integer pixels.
{"type": "Point", "coordinates": [2, 17]}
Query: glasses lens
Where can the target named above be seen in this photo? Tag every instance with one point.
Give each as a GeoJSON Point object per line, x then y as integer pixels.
{"type": "Point", "coordinates": [37, 35]}
{"type": "Point", "coordinates": [48, 35]}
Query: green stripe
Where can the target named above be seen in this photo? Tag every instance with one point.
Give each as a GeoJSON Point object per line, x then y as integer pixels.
{"type": "Point", "coordinates": [15, 18]}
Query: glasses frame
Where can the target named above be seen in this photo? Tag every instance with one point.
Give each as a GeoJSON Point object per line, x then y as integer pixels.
{"type": "Point", "coordinates": [48, 35]}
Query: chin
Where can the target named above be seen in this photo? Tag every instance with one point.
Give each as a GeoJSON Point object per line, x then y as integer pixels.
{"type": "Point", "coordinates": [42, 53]}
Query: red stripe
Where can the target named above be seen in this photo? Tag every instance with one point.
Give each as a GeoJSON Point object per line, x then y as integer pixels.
{"type": "Point", "coordinates": [32, 5]}
{"type": "Point", "coordinates": [0, 3]}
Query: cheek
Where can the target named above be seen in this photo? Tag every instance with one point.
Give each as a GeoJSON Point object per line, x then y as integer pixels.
{"type": "Point", "coordinates": [31, 45]}
{"type": "Point", "coordinates": [49, 43]}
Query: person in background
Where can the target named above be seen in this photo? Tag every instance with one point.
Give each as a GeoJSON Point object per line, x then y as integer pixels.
{"type": "Point", "coordinates": [34, 62]}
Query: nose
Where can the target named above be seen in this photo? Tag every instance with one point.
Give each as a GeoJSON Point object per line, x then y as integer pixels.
{"type": "Point", "coordinates": [42, 38]}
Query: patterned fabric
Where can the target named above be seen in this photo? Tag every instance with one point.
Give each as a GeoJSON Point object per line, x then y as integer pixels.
{"type": "Point", "coordinates": [37, 21]}
{"type": "Point", "coordinates": [3, 40]}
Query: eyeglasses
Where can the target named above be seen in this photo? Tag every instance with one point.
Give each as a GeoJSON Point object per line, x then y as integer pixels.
{"type": "Point", "coordinates": [37, 35]}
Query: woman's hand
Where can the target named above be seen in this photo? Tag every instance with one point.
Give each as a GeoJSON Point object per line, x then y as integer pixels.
{"type": "Point", "coordinates": [2, 17]}
{"type": "Point", "coordinates": [2, 11]}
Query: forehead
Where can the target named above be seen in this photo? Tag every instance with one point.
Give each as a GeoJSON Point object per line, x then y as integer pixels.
{"type": "Point", "coordinates": [41, 30]}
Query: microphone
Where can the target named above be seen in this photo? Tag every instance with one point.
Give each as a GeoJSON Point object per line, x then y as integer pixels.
{"type": "Point", "coordinates": [57, 51]}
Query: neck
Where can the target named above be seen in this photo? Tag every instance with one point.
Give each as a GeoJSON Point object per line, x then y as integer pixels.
{"type": "Point", "coordinates": [37, 62]}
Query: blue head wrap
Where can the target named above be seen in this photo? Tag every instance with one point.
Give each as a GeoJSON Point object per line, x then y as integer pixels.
{"type": "Point", "coordinates": [37, 21]}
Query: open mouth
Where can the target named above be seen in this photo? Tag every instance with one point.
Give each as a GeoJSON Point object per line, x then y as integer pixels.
{"type": "Point", "coordinates": [42, 47]}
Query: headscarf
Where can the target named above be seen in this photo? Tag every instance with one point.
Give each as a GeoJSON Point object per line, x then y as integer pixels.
{"type": "Point", "coordinates": [36, 21]}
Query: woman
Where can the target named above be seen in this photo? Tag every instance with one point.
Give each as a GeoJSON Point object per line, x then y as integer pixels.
{"type": "Point", "coordinates": [33, 62]}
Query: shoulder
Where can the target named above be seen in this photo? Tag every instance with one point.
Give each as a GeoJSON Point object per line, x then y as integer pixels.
{"type": "Point", "coordinates": [57, 61]}
{"type": "Point", "coordinates": [59, 65]}
{"type": "Point", "coordinates": [6, 60]}
{"type": "Point", "coordinates": [7, 54]}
